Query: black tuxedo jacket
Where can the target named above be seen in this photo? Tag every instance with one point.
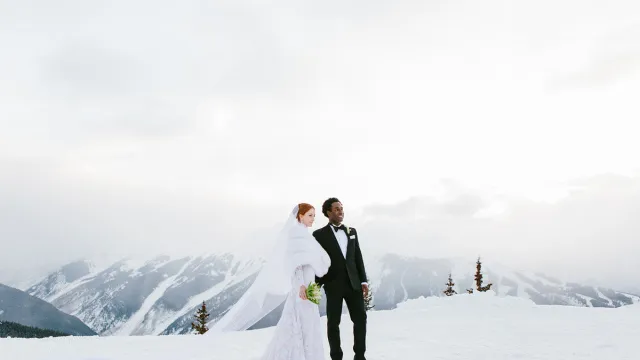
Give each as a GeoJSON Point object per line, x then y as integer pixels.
{"type": "Point", "coordinates": [343, 271]}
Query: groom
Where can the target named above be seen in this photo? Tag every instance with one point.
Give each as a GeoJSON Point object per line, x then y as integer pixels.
{"type": "Point", "coordinates": [346, 279]}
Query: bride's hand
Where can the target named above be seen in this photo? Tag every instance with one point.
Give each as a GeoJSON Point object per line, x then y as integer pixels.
{"type": "Point", "coordinates": [303, 292]}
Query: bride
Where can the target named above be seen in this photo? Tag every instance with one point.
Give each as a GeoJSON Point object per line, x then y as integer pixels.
{"type": "Point", "coordinates": [296, 260]}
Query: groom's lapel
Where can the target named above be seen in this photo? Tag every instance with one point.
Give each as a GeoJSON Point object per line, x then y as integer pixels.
{"type": "Point", "coordinates": [350, 245]}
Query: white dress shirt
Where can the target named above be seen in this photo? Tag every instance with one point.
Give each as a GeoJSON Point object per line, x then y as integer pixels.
{"type": "Point", "coordinates": [342, 239]}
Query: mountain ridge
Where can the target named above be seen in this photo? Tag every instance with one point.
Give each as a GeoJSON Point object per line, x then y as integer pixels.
{"type": "Point", "coordinates": [20, 307]}
{"type": "Point", "coordinates": [159, 295]}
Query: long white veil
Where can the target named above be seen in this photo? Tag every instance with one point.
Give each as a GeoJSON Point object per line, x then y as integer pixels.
{"type": "Point", "coordinates": [294, 246]}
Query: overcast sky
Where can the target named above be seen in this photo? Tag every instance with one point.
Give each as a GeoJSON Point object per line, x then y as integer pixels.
{"type": "Point", "coordinates": [447, 128]}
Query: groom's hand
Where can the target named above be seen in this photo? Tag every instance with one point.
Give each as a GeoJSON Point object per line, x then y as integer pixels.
{"type": "Point", "coordinates": [365, 290]}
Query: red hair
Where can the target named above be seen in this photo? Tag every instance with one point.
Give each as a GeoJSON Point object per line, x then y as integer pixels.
{"type": "Point", "coordinates": [303, 208]}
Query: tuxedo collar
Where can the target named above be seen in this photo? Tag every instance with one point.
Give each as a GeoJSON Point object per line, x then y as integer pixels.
{"type": "Point", "coordinates": [331, 236]}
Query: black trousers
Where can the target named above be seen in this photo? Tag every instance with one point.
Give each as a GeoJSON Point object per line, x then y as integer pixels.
{"type": "Point", "coordinates": [355, 305]}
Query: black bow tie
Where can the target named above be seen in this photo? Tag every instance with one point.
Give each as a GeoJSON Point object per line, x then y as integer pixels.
{"type": "Point", "coordinates": [341, 227]}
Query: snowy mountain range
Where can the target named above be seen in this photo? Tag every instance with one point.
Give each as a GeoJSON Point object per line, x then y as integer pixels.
{"type": "Point", "coordinates": [160, 295]}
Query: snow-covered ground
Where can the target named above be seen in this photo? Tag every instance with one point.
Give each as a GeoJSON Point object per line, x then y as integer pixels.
{"type": "Point", "coordinates": [469, 327]}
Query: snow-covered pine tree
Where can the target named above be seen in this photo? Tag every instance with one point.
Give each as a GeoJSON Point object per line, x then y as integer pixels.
{"type": "Point", "coordinates": [478, 278]}
{"type": "Point", "coordinates": [200, 325]}
{"type": "Point", "coordinates": [449, 291]}
{"type": "Point", "coordinates": [368, 301]}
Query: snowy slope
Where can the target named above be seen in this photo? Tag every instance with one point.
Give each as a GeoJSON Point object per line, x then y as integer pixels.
{"type": "Point", "coordinates": [478, 326]}
{"type": "Point", "coordinates": [160, 295]}
{"type": "Point", "coordinates": [137, 296]}
{"type": "Point", "coordinates": [133, 324]}
{"type": "Point", "coordinates": [63, 280]}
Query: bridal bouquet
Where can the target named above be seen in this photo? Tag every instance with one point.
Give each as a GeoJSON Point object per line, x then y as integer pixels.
{"type": "Point", "coordinates": [313, 293]}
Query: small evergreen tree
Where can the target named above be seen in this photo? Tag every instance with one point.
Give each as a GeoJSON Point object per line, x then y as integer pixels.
{"type": "Point", "coordinates": [470, 291]}
{"type": "Point", "coordinates": [200, 325]}
{"type": "Point", "coordinates": [368, 301]}
{"type": "Point", "coordinates": [449, 291]}
{"type": "Point", "coordinates": [478, 278]}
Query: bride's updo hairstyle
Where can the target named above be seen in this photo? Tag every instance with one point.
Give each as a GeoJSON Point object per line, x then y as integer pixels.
{"type": "Point", "coordinates": [302, 209]}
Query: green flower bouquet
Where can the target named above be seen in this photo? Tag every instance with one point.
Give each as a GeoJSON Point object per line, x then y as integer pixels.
{"type": "Point", "coordinates": [313, 293]}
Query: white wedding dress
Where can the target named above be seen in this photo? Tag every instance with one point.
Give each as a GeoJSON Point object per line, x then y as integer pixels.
{"type": "Point", "coordinates": [298, 335]}
{"type": "Point", "coordinates": [296, 260]}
